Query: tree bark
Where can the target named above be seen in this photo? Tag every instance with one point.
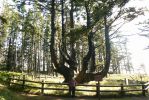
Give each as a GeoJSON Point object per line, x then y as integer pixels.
{"type": "Point", "coordinates": [84, 76]}
{"type": "Point", "coordinates": [108, 49]}
{"type": "Point", "coordinates": [53, 31]}
{"type": "Point", "coordinates": [72, 44]}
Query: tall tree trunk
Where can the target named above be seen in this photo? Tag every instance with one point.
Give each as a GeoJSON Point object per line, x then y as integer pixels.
{"type": "Point", "coordinates": [9, 56]}
{"type": "Point", "coordinates": [72, 44]}
{"type": "Point", "coordinates": [108, 49]}
{"type": "Point", "coordinates": [62, 34]}
{"type": "Point", "coordinates": [53, 31]}
{"type": "Point", "coordinates": [60, 67]}
{"type": "Point", "coordinates": [22, 52]}
{"type": "Point", "coordinates": [85, 76]}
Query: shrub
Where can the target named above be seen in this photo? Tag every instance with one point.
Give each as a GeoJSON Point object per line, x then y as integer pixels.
{"type": "Point", "coordinates": [5, 75]}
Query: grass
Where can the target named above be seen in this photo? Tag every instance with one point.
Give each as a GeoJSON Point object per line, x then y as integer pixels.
{"type": "Point", "coordinates": [6, 94]}
{"type": "Point", "coordinates": [110, 80]}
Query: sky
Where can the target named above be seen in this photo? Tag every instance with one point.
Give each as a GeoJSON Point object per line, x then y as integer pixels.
{"type": "Point", "coordinates": [136, 44]}
{"type": "Point", "coordinates": [0, 6]}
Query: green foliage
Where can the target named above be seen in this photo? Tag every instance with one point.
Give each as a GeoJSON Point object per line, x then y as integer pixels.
{"type": "Point", "coordinates": [6, 94]}
{"type": "Point", "coordinates": [77, 33]}
{"type": "Point", "coordinates": [5, 75]}
{"type": "Point", "coordinates": [3, 27]}
{"type": "Point", "coordinates": [131, 13]}
{"type": "Point", "coordinates": [4, 20]}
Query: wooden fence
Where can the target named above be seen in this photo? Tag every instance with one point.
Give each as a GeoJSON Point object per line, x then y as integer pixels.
{"type": "Point", "coordinates": [97, 87]}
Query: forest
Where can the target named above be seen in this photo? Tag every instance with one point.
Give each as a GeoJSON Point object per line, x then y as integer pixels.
{"type": "Point", "coordinates": [72, 38]}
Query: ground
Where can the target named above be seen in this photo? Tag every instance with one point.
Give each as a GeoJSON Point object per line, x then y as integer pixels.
{"type": "Point", "coordinates": [34, 97]}
{"type": "Point", "coordinates": [11, 95]}
{"type": "Point", "coordinates": [8, 94]}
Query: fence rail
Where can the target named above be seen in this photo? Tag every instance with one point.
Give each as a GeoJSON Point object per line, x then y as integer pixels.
{"type": "Point", "coordinates": [122, 88]}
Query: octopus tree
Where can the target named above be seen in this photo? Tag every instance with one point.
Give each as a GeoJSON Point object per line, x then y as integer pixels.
{"type": "Point", "coordinates": [98, 16]}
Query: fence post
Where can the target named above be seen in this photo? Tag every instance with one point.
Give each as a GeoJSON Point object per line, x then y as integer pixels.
{"type": "Point", "coordinates": [23, 82]}
{"type": "Point", "coordinates": [98, 90]}
{"type": "Point", "coordinates": [19, 77]}
{"type": "Point", "coordinates": [143, 90]}
{"type": "Point", "coordinates": [33, 77]}
{"type": "Point", "coordinates": [39, 77]}
{"type": "Point", "coordinates": [122, 90]}
{"type": "Point", "coordinates": [42, 87]}
{"type": "Point", "coordinates": [13, 77]}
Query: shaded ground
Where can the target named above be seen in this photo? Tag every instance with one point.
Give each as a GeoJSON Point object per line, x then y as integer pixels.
{"type": "Point", "coordinates": [34, 97]}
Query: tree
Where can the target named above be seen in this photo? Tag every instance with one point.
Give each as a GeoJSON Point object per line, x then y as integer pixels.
{"type": "Point", "coordinates": [3, 23]}
{"type": "Point", "coordinates": [77, 32]}
{"type": "Point", "coordinates": [3, 35]}
{"type": "Point", "coordinates": [11, 28]}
